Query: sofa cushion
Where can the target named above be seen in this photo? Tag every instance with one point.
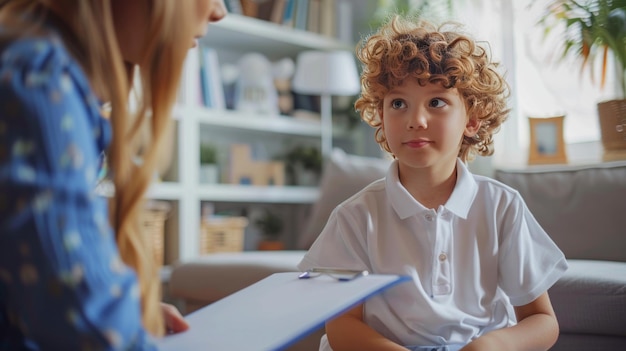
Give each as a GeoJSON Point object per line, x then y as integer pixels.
{"type": "Point", "coordinates": [580, 207]}
{"type": "Point", "coordinates": [344, 175]}
{"type": "Point", "coordinates": [591, 298]}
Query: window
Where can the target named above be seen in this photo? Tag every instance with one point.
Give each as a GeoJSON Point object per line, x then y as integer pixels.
{"type": "Point", "coordinates": [541, 84]}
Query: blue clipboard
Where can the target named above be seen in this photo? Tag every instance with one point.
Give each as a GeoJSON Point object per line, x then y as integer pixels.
{"type": "Point", "coordinates": [274, 313]}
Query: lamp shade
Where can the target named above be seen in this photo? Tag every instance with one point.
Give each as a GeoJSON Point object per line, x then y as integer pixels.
{"type": "Point", "coordinates": [326, 73]}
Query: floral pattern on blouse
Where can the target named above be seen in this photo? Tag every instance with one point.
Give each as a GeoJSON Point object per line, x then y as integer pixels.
{"type": "Point", "coordinates": [63, 285]}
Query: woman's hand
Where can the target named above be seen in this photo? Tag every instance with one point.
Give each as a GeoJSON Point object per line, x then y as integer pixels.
{"type": "Point", "coordinates": [174, 321]}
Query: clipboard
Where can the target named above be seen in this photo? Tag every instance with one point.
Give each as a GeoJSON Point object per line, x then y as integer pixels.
{"type": "Point", "coordinates": [274, 313]}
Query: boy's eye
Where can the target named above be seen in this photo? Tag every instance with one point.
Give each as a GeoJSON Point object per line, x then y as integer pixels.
{"type": "Point", "coordinates": [396, 104]}
{"type": "Point", "coordinates": [437, 103]}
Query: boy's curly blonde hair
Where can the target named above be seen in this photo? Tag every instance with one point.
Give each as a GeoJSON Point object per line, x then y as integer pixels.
{"type": "Point", "coordinates": [402, 49]}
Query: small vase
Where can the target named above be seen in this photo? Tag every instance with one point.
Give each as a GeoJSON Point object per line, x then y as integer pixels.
{"type": "Point", "coordinates": [209, 174]}
{"type": "Point", "coordinates": [305, 177]}
{"type": "Point", "coordinates": [271, 245]}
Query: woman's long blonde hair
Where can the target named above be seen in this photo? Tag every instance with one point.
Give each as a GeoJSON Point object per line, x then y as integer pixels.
{"type": "Point", "coordinates": [96, 49]}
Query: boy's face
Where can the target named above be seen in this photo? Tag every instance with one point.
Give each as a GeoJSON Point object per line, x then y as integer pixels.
{"type": "Point", "coordinates": [424, 125]}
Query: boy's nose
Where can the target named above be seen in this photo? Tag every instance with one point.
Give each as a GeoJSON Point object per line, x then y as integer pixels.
{"type": "Point", "coordinates": [418, 120]}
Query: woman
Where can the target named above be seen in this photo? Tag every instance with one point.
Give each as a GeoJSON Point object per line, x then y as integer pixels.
{"type": "Point", "coordinates": [64, 277]}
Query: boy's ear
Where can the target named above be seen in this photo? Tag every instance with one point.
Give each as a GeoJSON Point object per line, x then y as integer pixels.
{"type": "Point", "coordinates": [472, 126]}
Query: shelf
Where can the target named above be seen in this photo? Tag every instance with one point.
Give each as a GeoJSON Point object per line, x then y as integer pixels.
{"type": "Point", "coordinates": [164, 191]}
{"type": "Point", "coordinates": [258, 194]}
{"type": "Point", "coordinates": [156, 191]}
{"type": "Point", "coordinates": [237, 32]}
{"type": "Point", "coordinates": [249, 121]}
{"type": "Point", "coordinates": [236, 193]}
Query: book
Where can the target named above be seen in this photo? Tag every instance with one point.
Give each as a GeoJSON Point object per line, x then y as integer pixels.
{"type": "Point", "coordinates": [289, 13]}
{"type": "Point", "coordinates": [212, 87]}
{"type": "Point", "coordinates": [278, 10]}
{"type": "Point", "coordinates": [327, 18]}
{"type": "Point", "coordinates": [261, 9]}
{"type": "Point", "coordinates": [313, 18]}
{"type": "Point", "coordinates": [301, 16]}
{"type": "Point", "coordinates": [249, 8]}
{"type": "Point", "coordinates": [275, 312]}
{"type": "Point", "coordinates": [234, 6]}
{"type": "Point", "coordinates": [191, 91]}
{"type": "Point", "coordinates": [343, 21]}
{"type": "Point", "coordinates": [205, 78]}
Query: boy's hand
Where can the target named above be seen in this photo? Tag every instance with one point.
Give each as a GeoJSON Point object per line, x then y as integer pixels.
{"type": "Point", "coordinates": [174, 321]}
{"type": "Point", "coordinates": [485, 343]}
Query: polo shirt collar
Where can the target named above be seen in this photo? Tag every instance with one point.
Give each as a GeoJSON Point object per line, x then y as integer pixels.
{"type": "Point", "coordinates": [406, 206]}
{"type": "Point", "coordinates": [464, 192]}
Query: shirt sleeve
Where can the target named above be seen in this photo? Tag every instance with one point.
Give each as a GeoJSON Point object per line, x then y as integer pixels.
{"type": "Point", "coordinates": [530, 262]}
{"type": "Point", "coordinates": [63, 285]}
{"type": "Point", "coordinates": [341, 244]}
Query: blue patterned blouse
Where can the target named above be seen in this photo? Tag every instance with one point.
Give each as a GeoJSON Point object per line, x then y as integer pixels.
{"type": "Point", "coordinates": [63, 285]}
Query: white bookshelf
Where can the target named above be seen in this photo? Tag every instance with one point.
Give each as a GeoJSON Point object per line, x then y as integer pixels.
{"type": "Point", "coordinates": [232, 36]}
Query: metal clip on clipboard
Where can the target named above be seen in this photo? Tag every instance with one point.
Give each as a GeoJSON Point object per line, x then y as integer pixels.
{"type": "Point", "coordinates": [342, 275]}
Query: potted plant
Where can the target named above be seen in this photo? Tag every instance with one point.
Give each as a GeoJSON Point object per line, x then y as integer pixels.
{"type": "Point", "coordinates": [271, 226]}
{"type": "Point", "coordinates": [438, 10]}
{"type": "Point", "coordinates": [209, 172]}
{"type": "Point", "coordinates": [304, 165]}
{"type": "Point", "coordinates": [597, 29]}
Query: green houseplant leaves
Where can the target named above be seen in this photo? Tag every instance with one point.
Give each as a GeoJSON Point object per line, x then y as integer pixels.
{"type": "Point", "coordinates": [594, 29]}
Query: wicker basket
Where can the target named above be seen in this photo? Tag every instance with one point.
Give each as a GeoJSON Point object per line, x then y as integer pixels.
{"type": "Point", "coordinates": [154, 226]}
{"type": "Point", "coordinates": [222, 234]}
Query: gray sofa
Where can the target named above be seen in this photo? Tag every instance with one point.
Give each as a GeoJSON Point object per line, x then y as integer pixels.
{"type": "Point", "coordinates": [582, 208]}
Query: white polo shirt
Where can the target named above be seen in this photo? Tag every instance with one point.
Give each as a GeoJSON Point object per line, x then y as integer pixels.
{"type": "Point", "coordinates": [471, 260]}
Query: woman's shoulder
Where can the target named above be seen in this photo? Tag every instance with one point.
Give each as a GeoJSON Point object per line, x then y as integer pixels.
{"type": "Point", "coordinates": [42, 85]}
{"type": "Point", "coordinates": [44, 52]}
{"type": "Point", "coordinates": [34, 63]}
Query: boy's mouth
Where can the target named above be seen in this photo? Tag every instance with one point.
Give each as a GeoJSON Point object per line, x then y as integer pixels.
{"type": "Point", "coordinates": [417, 143]}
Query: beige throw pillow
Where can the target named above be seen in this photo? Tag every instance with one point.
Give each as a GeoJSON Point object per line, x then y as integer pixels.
{"type": "Point", "coordinates": [343, 176]}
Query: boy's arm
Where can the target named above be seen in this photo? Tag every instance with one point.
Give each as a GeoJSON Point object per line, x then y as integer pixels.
{"type": "Point", "coordinates": [349, 332]}
{"type": "Point", "coordinates": [537, 329]}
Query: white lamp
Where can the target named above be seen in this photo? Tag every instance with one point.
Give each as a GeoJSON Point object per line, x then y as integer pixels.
{"type": "Point", "coordinates": [326, 73]}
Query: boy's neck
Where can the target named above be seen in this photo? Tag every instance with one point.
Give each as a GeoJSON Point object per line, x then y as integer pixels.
{"type": "Point", "coordinates": [431, 188]}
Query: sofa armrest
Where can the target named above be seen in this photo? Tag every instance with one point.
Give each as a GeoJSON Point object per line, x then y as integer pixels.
{"type": "Point", "coordinates": [590, 298]}
{"type": "Point", "coordinates": [209, 278]}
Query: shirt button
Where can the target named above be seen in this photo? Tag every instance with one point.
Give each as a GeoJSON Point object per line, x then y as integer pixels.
{"type": "Point", "coordinates": [442, 257]}
{"type": "Point", "coordinates": [429, 217]}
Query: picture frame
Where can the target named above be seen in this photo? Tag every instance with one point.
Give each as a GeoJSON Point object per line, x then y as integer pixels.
{"type": "Point", "coordinates": [547, 145]}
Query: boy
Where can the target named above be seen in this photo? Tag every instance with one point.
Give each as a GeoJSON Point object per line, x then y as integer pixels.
{"type": "Point", "coordinates": [481, 264]}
